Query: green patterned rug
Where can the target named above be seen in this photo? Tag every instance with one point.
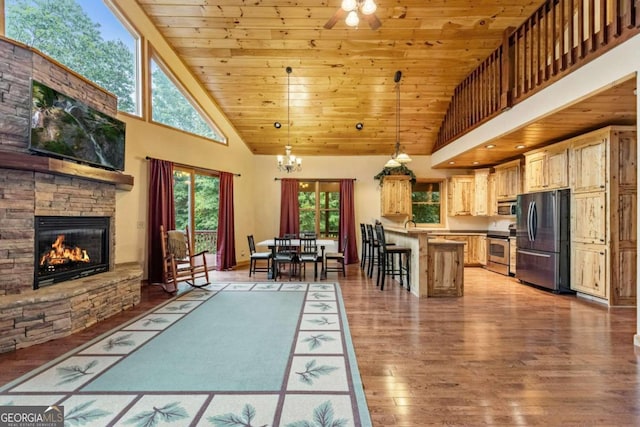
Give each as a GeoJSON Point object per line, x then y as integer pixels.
{"type": "Point", "coordinates": [232, 354]}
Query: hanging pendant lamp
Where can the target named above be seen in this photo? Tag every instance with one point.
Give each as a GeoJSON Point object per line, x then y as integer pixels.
{"type": "Point", "coordinates": [288, 163]}
{"type": "Point", "coordinates": [398, 158]}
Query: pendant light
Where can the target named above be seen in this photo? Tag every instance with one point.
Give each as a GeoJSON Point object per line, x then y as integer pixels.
{"type": "Point", "coordinates": [288, 163]}
{"type": "Point", "coordinates": [398, 158]}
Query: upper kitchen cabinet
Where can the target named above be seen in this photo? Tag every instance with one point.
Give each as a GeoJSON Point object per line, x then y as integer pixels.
{"type": "Point", "coordinates": [460, 195]}
{"type": "Point", "coordinates": [481, 205]}
{"type": "Point", "coordinates": [589, 164]}
{"type": "Point", "coordinates": [547, 168]}
{"type": "Point", "coordinates": [508, 184]}
{"type": "Point", "coordinates": [396, 196]}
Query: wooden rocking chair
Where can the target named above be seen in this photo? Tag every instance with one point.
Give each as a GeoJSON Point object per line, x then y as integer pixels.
{"type": "Point", "coordinates": [180, 264]}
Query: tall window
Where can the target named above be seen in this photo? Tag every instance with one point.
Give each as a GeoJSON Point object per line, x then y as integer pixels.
{"type": "Point", "coordinates": [85, 36]}
{"type": "Point", "coordinates": [319, 203]}
{"type": "Point", "coordinates": [171, 107]}
{"type": "Point", "coordinates": [426, 202]}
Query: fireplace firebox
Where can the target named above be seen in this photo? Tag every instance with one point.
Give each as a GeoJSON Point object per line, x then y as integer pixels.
{"type": "Point", "coordinates": [69, 247]}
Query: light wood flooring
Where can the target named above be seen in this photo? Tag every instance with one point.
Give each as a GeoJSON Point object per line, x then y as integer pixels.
{"type": "Point", "coordinates": [503, 354]}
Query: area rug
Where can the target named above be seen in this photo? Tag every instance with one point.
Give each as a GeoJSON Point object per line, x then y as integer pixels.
{"type": "Point", "coordinates": [231, 354]}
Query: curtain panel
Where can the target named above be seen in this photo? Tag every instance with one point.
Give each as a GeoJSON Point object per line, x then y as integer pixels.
{"type": "Point", "coordinates": [289, 208]}
{"type": "Point", "coordinates": [161, 212]}
{"type": "Point", "coordinates": [226, 249]}
{"type": "Point", "coordinates": [348, 221]}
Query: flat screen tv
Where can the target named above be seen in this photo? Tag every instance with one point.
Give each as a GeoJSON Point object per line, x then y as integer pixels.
{"type": "Point", "coordinates": [66, 128]}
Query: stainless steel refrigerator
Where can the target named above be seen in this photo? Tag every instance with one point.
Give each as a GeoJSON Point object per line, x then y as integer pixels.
{"type": "Point", "coordinates": [542, 231]}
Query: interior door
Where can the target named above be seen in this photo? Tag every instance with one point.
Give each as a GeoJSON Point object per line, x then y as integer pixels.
{"type": "Point", "coordinates": [196, 198]}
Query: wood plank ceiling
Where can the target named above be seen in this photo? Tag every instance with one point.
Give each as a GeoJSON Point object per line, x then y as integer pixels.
{"type": "Point", "coordinates": [239, 50]}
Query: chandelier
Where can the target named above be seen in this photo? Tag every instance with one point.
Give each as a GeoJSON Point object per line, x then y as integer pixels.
{"type": "Point", "coordinates": [366, 7]}
{"type": "Point", "coordinates": [289, 163]}
{"type": "Point", "coordinates": [398, 158]}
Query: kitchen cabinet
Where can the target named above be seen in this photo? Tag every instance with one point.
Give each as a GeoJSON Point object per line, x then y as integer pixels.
{"type": "Point", "coordinates": [475, 247]}
{"type": "Point", "coordinates": [460, 195]}
{"type": "Point", "coordinates": [513, 249]}
{"type": "Point", "coordinates": [481, 192]}
{"type": "Point", "coordinates": [492, 200]}
{"type": "Point", "coordinates": [508, 184]}
{"type": "Point", "coordinates": [603, 182]}
{"type": "Point", "coordinates": [547, 168]}
{"type": "Point", "coordinates": [445, 269]}
{"type": "Point", "coordinates": [395, 199]}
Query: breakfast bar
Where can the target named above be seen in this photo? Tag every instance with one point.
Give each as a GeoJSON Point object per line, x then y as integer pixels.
{"type": "Point", "coordinates": [437, 266]}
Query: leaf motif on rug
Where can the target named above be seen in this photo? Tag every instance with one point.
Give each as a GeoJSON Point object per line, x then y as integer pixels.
{"type": "Point", "coordinates": [323, 306]}
{"type": "Point", "coordinates": [178, 308]}
{"type": "Point", "coordinates": [72, 373]}
{"type": "Point", "coordinates": [322, 321]}
{"type": "Point", "coordinates": [313, 372]}
{"type": "Point", "coordinates": [81, 414]}
{"type": "Point", "coordinates": [154, 320]}
{"type": "Point", "coordinates": [168, 413]}
{"type": "Point", "coordinates": [322, 417]}
{"type": "Point", "coordinates": [318, 295]}
{"type": "Point", "coordinates": [121, 341]}
{"type": "Point", "coordinates": [233, 420]}
{"type": "Point", "coordinates": [315, 341]}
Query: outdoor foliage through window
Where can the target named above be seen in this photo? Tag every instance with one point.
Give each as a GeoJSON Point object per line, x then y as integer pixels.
{"type": "Point", "coordinates": [425, 202]}
{"type": "Point", "coordinates": [172, 108]}
{"type": "Point", "coordinates": [319, 204]}
{"type": "Point", "coordinates": [84, 36]}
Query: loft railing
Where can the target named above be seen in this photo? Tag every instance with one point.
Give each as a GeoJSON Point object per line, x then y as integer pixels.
{"type": "Point", "coordinates": [559, 37]}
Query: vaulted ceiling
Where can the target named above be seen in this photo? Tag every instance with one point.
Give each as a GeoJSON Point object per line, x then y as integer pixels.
{"type": "Point", "coordinates": [239, 50]}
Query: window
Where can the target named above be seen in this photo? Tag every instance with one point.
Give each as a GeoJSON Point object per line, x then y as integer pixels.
{"type": "Point", "coordinates": [426, 202]}
{"type": "Point", "coordinates": [319, 203]}
{"type": "Point", "coordinates": [171, 107]}
{"type": "Point", "coordinates": [86, 37]}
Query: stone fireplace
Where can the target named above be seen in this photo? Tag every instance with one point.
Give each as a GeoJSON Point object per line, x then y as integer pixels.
{"type": "Point", "coordinates": [41, 303]}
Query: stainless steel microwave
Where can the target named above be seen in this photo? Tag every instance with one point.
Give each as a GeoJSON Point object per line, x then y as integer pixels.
{"type": "Point", "coordinates": [507, 208]}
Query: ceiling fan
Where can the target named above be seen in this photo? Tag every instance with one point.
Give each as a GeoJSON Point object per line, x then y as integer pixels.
{"type": "Point", "coordinates": [352, 9]}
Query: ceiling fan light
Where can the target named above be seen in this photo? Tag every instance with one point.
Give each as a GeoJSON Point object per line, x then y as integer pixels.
{"type": "Point", "coordinates": [348, 5]}
{"type": "Point", "coordinates": [403, 158]}
{"type": "Point", "coordinates": [352, 19]}
{"type": "Point", "coordinates": [369, 7]}
{"type": "Point", "coordinates": [392, 163]}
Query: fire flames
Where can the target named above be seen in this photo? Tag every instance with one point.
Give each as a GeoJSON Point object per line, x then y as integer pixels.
{"type": "Point", "coordinates": [62, 254]}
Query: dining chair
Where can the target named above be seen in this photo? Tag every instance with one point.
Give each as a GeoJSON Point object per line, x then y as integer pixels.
{"type": "Point", "coordinates": [309, 255]}
{"type": "Point", "coordinates": [258, 257]}
{"type": "Point", "coordinates": [285, 255]}
{"type": "Point", "coordinates": [334, 261]}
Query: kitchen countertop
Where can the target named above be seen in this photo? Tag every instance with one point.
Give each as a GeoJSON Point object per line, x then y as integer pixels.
{"type": "Point", "coordinates": [418, 230]}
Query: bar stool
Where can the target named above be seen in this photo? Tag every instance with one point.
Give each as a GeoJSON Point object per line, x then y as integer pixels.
{"type": "Point", "coordinates": [373, 256]}
{"type": "Point", "coordinates": [364, 247]}
{"type": "Point", "coordinates": [386, 261]}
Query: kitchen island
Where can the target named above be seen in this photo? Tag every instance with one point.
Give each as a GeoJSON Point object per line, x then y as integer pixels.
{"type": "Point", "coordinates": [436, 264]}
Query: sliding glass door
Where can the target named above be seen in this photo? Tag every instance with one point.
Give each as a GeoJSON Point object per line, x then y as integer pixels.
{"type": "Point", "coordinates": [196, 197]}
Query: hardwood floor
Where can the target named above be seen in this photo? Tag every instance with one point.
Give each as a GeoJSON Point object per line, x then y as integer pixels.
{"type": "Point", "coordinates": [503, 354]}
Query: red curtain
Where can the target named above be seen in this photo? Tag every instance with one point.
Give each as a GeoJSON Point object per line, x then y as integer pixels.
{"type": "Point", "coordinates": [161, 212]}
{"type": "Point", "coordinates": [226, 247]}
{"type": "Point", "coordinates": [289, 209]}
{"type": "Point", "coordinates": [348, 221]}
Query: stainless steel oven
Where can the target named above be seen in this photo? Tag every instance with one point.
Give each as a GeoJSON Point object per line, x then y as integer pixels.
{"type": "Point", "coordinates": [498, 252]}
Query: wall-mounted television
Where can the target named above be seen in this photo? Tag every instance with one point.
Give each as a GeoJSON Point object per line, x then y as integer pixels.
{"type": "Point", "coordinates": [67, 128]}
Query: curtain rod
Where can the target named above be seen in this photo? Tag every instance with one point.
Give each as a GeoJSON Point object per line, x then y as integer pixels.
{"type": "Point", "coordinates": [320, 180]}
{"type": "Point", "coordinates": [190, 166]}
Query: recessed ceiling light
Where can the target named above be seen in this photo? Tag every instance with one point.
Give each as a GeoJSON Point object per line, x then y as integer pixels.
{"type": "Point", "coordinates": [277, 125]}
{"type": "Point", "coordinates": [520, 147]}
{"type": "Point", "coordinates": [475, 163]}
{"type": "Point", "coordinates": [359, 126]}
{"type": "Point", "coordinates": [452, 162]}
{"type": "Point", "coordinates": [490, 146]}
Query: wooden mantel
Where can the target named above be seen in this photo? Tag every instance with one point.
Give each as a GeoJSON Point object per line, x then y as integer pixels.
{"type": "Point", "coordinates": [32, 162]}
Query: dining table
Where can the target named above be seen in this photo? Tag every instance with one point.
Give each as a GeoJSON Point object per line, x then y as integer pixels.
{"type": "Point", "coordinates": [270, 243]}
